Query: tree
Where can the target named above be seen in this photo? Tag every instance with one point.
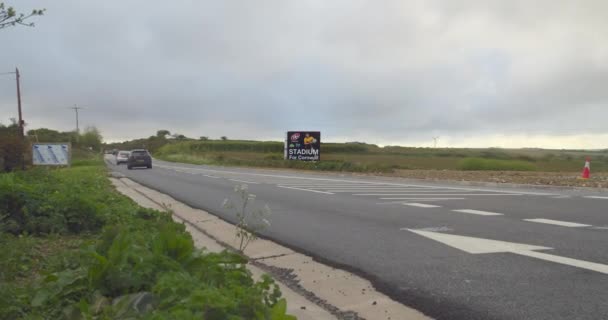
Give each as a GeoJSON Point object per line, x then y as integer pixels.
{"type": "Point", "coordinates": [12, 147]}
{"type": "Point", "coordinates": [91, 138]}
{"type": "Point", "coordinates": [162, 133]}
{"type": "Point", "coordinates": [179, 136]}
{"type": "Point", "coordinates": [9, 17]}
{"type": "Point", "coordinates": [49, 135]}
{"type": "Point", "coordinates": [224, 138]}
{"type": "Point", "coordinates": [203, 138]}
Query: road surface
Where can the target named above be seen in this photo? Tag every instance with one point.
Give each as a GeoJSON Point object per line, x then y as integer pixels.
{"type": "Point", "coordinates": [451, 251]}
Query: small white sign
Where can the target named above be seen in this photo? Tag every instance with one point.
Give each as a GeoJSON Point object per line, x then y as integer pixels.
{"type": "Point", "coordinates": [51, 154]}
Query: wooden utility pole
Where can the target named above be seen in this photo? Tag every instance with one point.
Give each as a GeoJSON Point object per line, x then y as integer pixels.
{"type": "Point", "coordinates": [76, 108]}
{"type": "Point", "coordinates": [21, 122]}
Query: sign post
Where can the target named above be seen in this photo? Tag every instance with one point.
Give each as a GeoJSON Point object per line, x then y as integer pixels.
{"type": "Point", "coordinates": [303, 146]}
{"type": "Point", "coordinates": [52, 154]}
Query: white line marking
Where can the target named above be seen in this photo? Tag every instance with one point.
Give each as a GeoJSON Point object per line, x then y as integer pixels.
{"type": "Point", "coordinates": [479, 212]}
{"type": "Point", "coordinates": [315, 191]}
{"type": "Point", "coordinates": [352, 185]}
{"type": "Point", "coordinates": [421, 205]}
{"type": "Point", "coordinates": [432, 229]}
{"type": "Point", "coordinates": [406, 194]}
{"type": "Point", "coordinates": [395, 189]}
{"type": "Point", "coordinates": [482, 246]}
{"type": "Point", "coordinates": [251, 182]}
{"type": "Point", "coordinates": [208, 176]}
{"type": "Point", "coordinates": [561, 197]}
{"type": "Point", "coordinates": [559, 223]}
{"type": "Point", "coordinates": [370, 183]}
{"type": "Point", "coordinates": [425, 199]}
{"type": "Point", "coordinates": [434, 194]}
{"type": "Point", "coordinates": [595, 197]}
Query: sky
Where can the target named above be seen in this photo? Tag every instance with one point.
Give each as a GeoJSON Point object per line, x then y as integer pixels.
{"type": "Point", "coordinates": [475, 73]}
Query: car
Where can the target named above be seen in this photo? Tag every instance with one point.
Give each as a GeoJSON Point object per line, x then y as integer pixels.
{"type": "Point", "coordinates": [122, 157]}
{"type": "Point", "coordinates": [139, 158]}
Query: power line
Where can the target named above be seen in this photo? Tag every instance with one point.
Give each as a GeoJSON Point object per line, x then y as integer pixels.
{"type": "Point", "coordinates": [76, 108]}
{"type": "Point", "coordinates": [435, 140]}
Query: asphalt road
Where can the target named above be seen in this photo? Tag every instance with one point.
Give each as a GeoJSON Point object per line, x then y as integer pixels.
{"type": "Point", "coordinates": [409, 240]}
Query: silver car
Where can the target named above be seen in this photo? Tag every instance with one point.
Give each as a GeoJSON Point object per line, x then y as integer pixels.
{"type": "Point", "coordinates": [122, 157]}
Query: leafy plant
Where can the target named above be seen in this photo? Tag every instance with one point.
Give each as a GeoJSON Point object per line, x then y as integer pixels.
{"type": "Point", "coordinates": [94, 254]}
{"type": "Point", "coordinates": [250, 220]}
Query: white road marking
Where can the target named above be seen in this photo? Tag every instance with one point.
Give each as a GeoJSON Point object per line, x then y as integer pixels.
{"type": "Point", "coordinates": [479, 212]}
{"type": "Point", "coordinates": [433, 229]}
{"type": "Point", "coordinates": [434, 194]}
{"type": "Point", "coordinates": [421, 199]}
{"type": "Point", "coordinates": [561, 197]}
{"type": "Point", "coordinates": [370, 183]}
{"type": "Point", "coordinates": [208, 176]}
{"type": "Point", "coordinates": [405, 194]}
{"type": "Point", "coordinates": [559, 223]}
{"type": "Point", "coordinates": [315, 191]}
{"type": "Point", "coordinates": [595, 197]}
{"type": "Point", "coordinates": [395, 189]}
{"type": "Point", "coordinates": [251, 182]}
{"type": "Point", "coordinates": [481, 246]}
{"type": "Point", "coordinates": [421, 205]}
{"type": "Point", "coordinates": [352, 185]}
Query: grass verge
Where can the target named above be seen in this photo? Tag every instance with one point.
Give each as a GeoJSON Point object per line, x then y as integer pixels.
{"type": "Point", "coordinates": [73, 248]}
{"type": "Point", "coordinates": [470, 164]}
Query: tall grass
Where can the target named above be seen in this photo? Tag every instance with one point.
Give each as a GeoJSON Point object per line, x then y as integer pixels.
{"type": "Point", "coordinates": [369, 157]}
{"type": "Point", "coordinates": [496, 165]}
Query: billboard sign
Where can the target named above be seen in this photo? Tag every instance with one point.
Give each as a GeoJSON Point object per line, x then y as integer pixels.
{"type": "Point", "coordinates": [51, 154]}
{"type": "Point", "coordinates": [303, 145]}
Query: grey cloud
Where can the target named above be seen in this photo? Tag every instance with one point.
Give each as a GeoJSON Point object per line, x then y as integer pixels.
{"type": "Point", "coordinates": [382, 70]}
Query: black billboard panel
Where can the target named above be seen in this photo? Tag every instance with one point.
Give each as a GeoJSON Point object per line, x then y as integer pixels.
{"type": "Point", "coordinates": [303, 145]}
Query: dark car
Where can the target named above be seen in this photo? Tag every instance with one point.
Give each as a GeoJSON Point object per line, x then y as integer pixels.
{"type": "Point", "coordinates": [139, 158]}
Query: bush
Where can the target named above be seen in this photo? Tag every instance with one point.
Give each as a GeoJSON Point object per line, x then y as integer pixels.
{"type": "Point", "coordinates": [142, 266]}
{"type": "Point", "coordinates": [12, 150]}
{"type": "Point", "coordinates": [492, 164]}
{"type": "Point", "coordinates": [43, 201]}
{"type": "Point", "coordinates": [155, 272]}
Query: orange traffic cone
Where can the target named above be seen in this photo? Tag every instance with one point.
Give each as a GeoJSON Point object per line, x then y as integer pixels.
{"type": "Point", "coordinates": [587, 169]}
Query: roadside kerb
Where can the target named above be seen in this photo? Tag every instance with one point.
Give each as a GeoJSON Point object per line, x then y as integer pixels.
{"type": "Point", "coordinates": [341, 293]}
{"type": "Point", "coordinates": [297, 305]}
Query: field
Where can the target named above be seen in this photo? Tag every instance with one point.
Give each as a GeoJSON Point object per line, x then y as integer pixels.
{"type": "Point", "coordinates": [370, 158]}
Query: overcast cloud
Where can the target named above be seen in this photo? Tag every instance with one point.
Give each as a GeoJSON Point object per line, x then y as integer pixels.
{"type": "Point", "coordinates": [476, 73]}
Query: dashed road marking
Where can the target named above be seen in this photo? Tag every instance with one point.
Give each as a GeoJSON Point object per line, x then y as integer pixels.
{"type": "Point", "coordinates": [559, 223]}
{"type": "Point", "coordinates": [432, 194]}
{"type": "Point", "coordinates": [479, 212]}
{"type": "Point", "coordinates": [243, 181]}
{"type": "Point", "coordinates": [421, 199]}
{"type": "Point", "coordinates": [323, 180]}
{"type": "Point", "coordinates": [595, 197]}
{"type": "Point", "coordinates": [315, 191]}
{"type": "Point", "coordinates": [421, 205]}
{"type": "Point", "coordinates": [209, 176]}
